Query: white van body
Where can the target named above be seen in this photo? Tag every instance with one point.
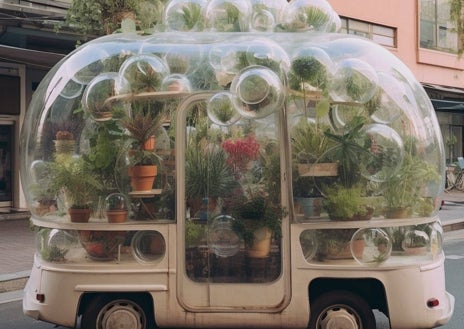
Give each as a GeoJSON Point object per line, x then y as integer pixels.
{"type": "Point", "coordinates": [261, 138]}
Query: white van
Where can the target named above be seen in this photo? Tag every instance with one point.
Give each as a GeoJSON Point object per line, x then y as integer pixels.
{"type": "Point", "coordinates": [298, 180]}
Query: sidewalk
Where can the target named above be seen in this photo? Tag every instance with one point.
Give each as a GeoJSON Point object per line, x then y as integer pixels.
{"type": "Point", "coordinates": [17, 244]}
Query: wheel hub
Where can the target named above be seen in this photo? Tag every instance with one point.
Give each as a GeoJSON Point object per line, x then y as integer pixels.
{"type": "Point", "coordinates": [339, 318]}
{"type": "Point", "coordinates": [121, 317]}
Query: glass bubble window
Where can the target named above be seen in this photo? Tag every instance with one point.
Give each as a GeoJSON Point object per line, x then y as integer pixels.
{"type": "Point", "coordinates": [239, 118]}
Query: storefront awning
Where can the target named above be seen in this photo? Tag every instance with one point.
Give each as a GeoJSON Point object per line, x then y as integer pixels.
{"type": "Point", "coordinates": [32, 58]}
{"type": "Point", "coordinates": [447, 106]}
{"type": "Point", "coordinates": [445, 99]}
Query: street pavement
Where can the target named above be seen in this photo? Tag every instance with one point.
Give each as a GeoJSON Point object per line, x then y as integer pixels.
{"type": "Point", "coordinates": [17, 243]}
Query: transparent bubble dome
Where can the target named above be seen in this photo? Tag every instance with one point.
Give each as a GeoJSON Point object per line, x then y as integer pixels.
{"type": "Point", "coordinates": [249, 75]}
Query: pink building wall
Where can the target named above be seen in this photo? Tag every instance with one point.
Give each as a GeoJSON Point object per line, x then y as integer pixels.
{"type": "Point", "coordinates": [429, 66]}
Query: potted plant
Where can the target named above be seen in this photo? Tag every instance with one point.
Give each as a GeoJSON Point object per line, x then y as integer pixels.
{"type": "Point", "coordinates": [349, 147]}
{"type": "Point", "coordinates": [309, 67]}
{"type": "Point", "coordinates": [415, 242]}
{"type": "Point", "coordinates": [338, 244]}
{"type": "Point", "coordinates": [41, 190]}
{"type": "Point", "coordinates": [309, 144]}
{"type": "Point", "coordinates": [207, 176]}
{"type": "Point", "coordinates": [344, 197]}
{"type": "Point", "coordinates": [116, 205]}
{"type": "Point", "coordinates": [346, 203]}
{"type": "Point", "coordinates": [141, 126]}
{"type": "Point", "coordinates": [72, 175]}
{"type": "Point", "coordinates": [97, 99]}
{"type": "Point", "coordinates": [258, 221]}
{"type": "Point", "coordinates": [403, 191]}
{"type": "Point", "coordinates": [50, 252]}
{"type": "Point", "coordinates": [64, 142]}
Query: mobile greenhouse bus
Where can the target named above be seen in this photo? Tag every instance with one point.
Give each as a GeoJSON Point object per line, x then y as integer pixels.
{"type": "Point", "coordinates": [298, 175]}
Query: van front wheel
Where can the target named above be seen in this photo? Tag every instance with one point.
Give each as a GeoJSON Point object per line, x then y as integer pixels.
{"type": "Point", "coordinates": [104, 312]}
{"type": "Point", "coordinates": [341, 309]}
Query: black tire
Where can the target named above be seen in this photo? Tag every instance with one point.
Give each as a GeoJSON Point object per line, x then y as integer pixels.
{"type": "Point", "coordinates": [344, 306]}
{"type": "Point", "coordinates": [122, 312]}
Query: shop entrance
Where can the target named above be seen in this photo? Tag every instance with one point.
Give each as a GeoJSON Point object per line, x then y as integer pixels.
{"type": "Point", "coordinates": [6, 168]}
{"type": "Point", "coordinates": [10, 108]}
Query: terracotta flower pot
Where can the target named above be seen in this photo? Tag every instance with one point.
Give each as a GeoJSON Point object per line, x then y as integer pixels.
{"type": "Point", "coordinates": [143, 177]}
{"type": "Point", "coordinates": [401, 212]}
{"type": "Point", "coordinates": [261, 244]}
{"type": "Point", "coordinates": [347, 251]}
{"type": "Point", "coordinates": [79, 215]}
{"type": "Point", "coordinates": [150, 144]}
{"type": "Point", "coordinates": [116, 216]}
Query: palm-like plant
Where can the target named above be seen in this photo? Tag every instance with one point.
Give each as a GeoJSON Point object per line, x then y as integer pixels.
{"type": "Point", "coordinates": [141, 125]}
{"type": "Point", "coordinates": [207, 173]}
{"type": "Point", "coordinates": [349, 148]}
{"type": "Point", "coordinates": [75, 178]}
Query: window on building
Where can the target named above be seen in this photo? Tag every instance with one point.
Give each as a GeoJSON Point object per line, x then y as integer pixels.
{"type": "Point", "coordinates": [437, 31]}
{"type": "Point", "coordinates": [384, 35]}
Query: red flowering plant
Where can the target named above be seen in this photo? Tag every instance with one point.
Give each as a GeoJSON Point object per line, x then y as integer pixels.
{"type": "Point", "coordinates": [252, 205]}
{"type": "Point", "coordinates": [241, 151]}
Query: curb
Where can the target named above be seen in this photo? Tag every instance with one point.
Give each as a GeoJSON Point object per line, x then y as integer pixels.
{"type": "Point", "coordinates": [453, 225]}
{"type": "Point", "coordinates": [15, 215]}
{"type": "Point", "coordinates": [13, 281]}
{"type": "Point", "coordinates": [12, 285]}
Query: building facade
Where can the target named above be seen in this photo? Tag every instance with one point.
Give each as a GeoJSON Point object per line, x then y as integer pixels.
{"type": "Point", "coordinates": [423, 36]}
{"type": "Point", "coordinates": [29, 47]}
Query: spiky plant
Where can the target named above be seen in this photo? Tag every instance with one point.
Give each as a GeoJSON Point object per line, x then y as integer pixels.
{"type": "Point", "coordinates": [207, 173]}
{"type": "Point", "coordinates": [144, 121]}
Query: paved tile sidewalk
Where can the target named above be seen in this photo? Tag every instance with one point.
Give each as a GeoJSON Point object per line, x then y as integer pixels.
{"type": "Point", "coordinates": [17, 246]}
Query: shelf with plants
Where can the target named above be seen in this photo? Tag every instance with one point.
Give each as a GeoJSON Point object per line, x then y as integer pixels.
{"type": "Point", "coordinates": [370, 245]}
{"type": "Point", "coordinates": [58, 222]}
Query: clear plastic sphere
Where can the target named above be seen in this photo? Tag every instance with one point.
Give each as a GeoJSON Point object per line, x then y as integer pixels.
{"type": "Point", "coordinates": [308, 242]}
{"type": "Point", "coordinates": [144, 73]}
{"type": "Point", "coordinates": [221, 111]}
{"type": "Point", "coordinates": [312, 65]}
{"type": "Point", "coordinates": [72, 89]}
{"type": "Point", "coordinates": [185, 15]}
{"type": "Point", "coordinates": [377, 246]}
{"type": "Point", "coordinates": [257, 92]}
{"type": "Point", "coordinates": [226, 58]}
{"type": "Point", "coordinates": [182, 60]}
{"type": "Point", "coordinates": [269, 54]}
{"type": "Point", "coordinates": [54, 244]}
{"type": "Point", "coordinates": [342, 114]}
{"type": "Point", "coordinates": [222, 239]}
{"type": "Point", "coordinates": [99, 99]}
{"type": "Point", "coordinates": [88, 64]}
{"type": "Point", "coordinates": [416, 242]}
{"type": "Point", "coordinates": [392, 101]}
{"type": "Point", "coordinates": [385, 153]}
{"type": "Point", "coordinates": [228, 15]}
{"type": "Point", "coordinates": [148, 246]}
{"type": "Point", "coordinates": [116, 201]}
{"type": "Point", "coordinates": [266, 14]}
{"type": "Point", "coordinates": [62, 239]}
{"type": "Point", "coordinates": [262, 20]}
{"type": "Point", "coordinates": [305, 15]}
{"type": "Point", "coordinates": [436, 239]}
{"type": "Point", "coordinates": [176, 82]}
{"type": "Point", "coordinates": [354, 81]}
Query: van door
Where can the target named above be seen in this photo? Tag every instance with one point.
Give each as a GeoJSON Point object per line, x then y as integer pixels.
{"type": "Point", "coordinates": [229, 174]}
